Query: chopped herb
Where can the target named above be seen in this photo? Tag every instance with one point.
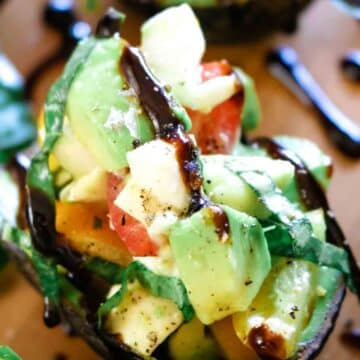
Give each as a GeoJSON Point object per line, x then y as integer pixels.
{"type": "Point", "coordinates": [7, 354]}
{"type": "Point", "coordinates": [293, 234]}
{"type": "Point", "coordinates": [39, 176]}
{"type": "Point", "coordinates": [97, 223]}
{"type": "Point", "coordinates": [105, 269]}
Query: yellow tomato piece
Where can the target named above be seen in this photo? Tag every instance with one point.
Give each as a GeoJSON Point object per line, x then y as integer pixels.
{"type": "Point", "coordinates": [85, 228]}
{"type": "Point", "coordinates": [230, 345]}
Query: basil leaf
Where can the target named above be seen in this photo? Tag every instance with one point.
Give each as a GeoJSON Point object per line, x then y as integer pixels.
{"type": "Point", "coordinates": [251, 114]}
{"type": "Point", "coordinates": [7, 354]}
{"type": "Point", "coordinates": [91, 4]}
{"type": "Point", "coordinates": [319, 252]}
{"type": "Point", "coordinates": [45, 267]}
{"type": "Point", "coordinates": [105, 269]}
{"type": "Point", "coordinates": [167, 287]}
{"type": "Point", "coordinates": [17, 129]}
{"type": "Point", "coordinates": [291, 233]}
{"type": "Point", "coordinates": [52, 284]}
{"type": "Point", "coordinates": [280, 207]}
{"type": "Point", "coordinates": [39, 175]}
{"type": "Point", "coordinates": [71, 294]}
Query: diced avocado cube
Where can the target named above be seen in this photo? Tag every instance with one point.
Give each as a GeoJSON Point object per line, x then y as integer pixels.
{"type": "Point", "coordinates": [221, 276]}
{"type": "Point", "coordinates": [103, 113]}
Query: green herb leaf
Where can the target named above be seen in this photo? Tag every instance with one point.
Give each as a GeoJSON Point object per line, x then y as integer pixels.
{"type": "Point", "coordinates": [17, 129]}
{"type": "Point", "coordinates": [159, 285]}
{"type": "Point", "coordinates": [291, 234]}
{"type": "Point", "coordinates": [44, 266]}
{"type": "Point", "coordinates": [91, 4]}
{"type": "Point", "coordinates": [52, 284]}
{"type": "Point", "coordinates": [280, 207]}
{"type": "Point", "coordinates": [69, 292]}
{"type": "Point", "coordinates": [281, 243]}
{"type": "Point", "coordinates": [39, 175]}
{"type": "Point", "coordinates": [7, 354]}
{"type": "Point", "coordinates": [105, 269]}
{"type": "Point", "coordinates": [251, 114]}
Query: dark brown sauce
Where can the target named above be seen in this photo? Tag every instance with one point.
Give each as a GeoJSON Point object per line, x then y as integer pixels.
{"type": "Point", "coordinates": [221, 222]}
{"type": "Point", "coordinates": [18, 173]}
{"type": "Point", "coordinates": [267, 344]}
{"type": "Point", "coordinates": [159, 105]}
{"type": "Point", "coordinates": [313, 197]}
{"type": "Point", "coordinates": [40, 214]}
{"type": "Point", "coordinates": [51, 313]}
{"type": "Point", "coordinates": [109, 24]}
{"type": "Point", "coordinates": [351, 334]}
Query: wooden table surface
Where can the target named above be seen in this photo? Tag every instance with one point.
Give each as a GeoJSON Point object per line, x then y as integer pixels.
{"type": "Point", "coordinates": [324, 35]}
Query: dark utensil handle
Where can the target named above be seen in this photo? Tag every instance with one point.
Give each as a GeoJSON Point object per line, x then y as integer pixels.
{"type": "Point", "coordinates": [350, 65]}
{"type": "Point", "coordinates": [343, 131]}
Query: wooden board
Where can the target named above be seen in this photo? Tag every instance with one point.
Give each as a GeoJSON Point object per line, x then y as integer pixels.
{"type": "Point", "coordinates": [324, 36]}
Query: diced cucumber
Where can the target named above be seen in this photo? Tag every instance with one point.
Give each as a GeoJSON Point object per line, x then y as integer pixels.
{"type": "Point", "coordinates": [280, 311]}
{"type": "Point", "coordinates": [90, 187]}
{"type": "Point", "coordinates": [175, 56]}
{"type": "Point", "coordinates": [224, 187]}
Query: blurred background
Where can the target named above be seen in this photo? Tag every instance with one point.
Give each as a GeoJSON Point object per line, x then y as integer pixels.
{"type": "Point", "coordinates": [324, 36]}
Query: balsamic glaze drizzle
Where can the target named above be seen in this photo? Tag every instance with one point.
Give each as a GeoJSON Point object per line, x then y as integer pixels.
{"type": "Point", "coordinates": [109, 25]}
{"type": "Point", "coordinates": [313, 197]}
{"type": "Point", "coordinates": [159, 106]}
{"type": "Point", "coordinates": [40, 215]}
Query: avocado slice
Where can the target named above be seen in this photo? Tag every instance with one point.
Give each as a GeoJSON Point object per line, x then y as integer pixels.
{"type": "Point", "coordinates": [104, 114]}
{"type": "Point", "coordinates": [251, 112]}
{"type": "Point", "coordinates": [204, 261]}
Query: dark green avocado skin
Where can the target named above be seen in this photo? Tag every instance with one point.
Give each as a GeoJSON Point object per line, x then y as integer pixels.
{"type": "Point", "coordinates": [111, 349]}
{"type": "Point", "coordinates": [241, 23]}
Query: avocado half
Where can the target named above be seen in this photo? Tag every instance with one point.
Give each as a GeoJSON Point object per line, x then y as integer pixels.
{"type": "Point", "coordinates": [85, 325]}
{"type": "Point", "coordinates": [238, 21]}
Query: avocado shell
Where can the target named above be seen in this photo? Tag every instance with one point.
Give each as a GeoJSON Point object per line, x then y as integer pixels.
{"type": "Point", "coordinates": [110, 348]}
{"type": "Point", "coordinates": [245, 22]}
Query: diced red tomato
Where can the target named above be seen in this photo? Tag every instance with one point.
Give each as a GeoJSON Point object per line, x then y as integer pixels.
{"type": "Point", "coordinates": [217, 131]}
{"type": "Point", "coordinates": [131, 231]}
